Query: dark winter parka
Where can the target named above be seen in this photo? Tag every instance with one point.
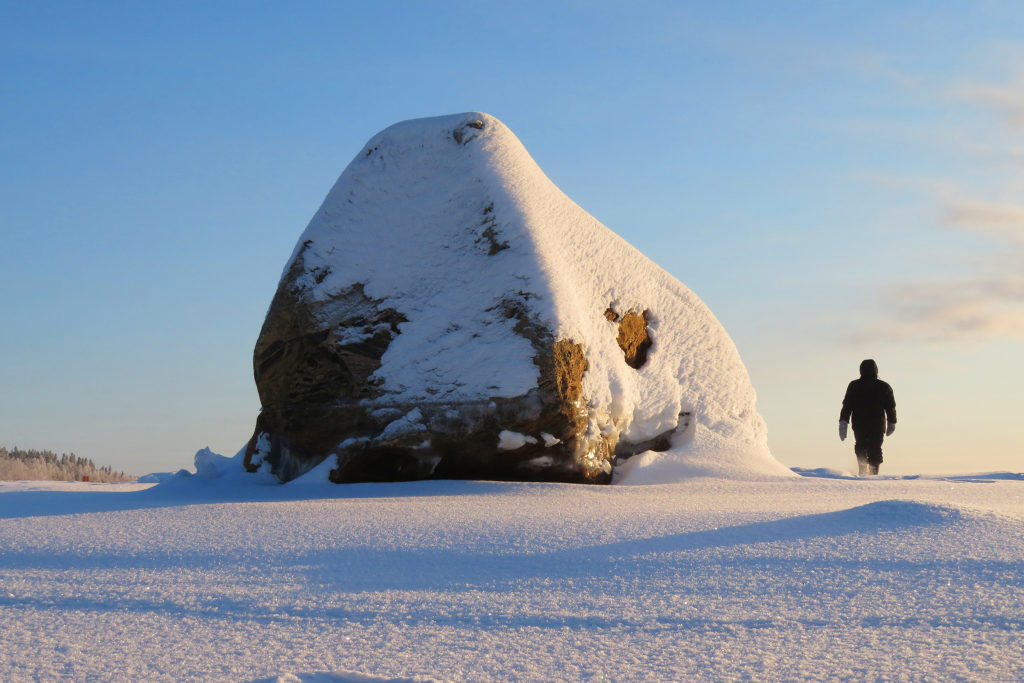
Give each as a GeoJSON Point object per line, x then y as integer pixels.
{"type": "Point", "coordinates": [869, 401]}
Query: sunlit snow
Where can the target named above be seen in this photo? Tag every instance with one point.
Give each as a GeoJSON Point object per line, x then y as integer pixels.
{"type": "Point", "coordinates": [221, 576]}
{"type": "Point", "coordinates": [404, 221]}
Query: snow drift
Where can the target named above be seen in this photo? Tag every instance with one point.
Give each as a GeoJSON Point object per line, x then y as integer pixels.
{"type": "Point", "coordinates": [449, 312]}
{"type": "Point", "coordinates": [224, 579]}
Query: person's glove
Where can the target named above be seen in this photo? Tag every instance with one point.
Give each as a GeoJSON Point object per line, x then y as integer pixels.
{"type": "Point", "coordinates": [890, 429]}
{"type": "Point", "coordinates": [842, 430]}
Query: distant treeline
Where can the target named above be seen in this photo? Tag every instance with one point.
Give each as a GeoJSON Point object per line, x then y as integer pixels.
{"type": "Point", "coordinates": [17, 464]}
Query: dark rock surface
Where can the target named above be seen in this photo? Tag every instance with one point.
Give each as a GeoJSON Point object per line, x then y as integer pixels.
{"type": "Point", "coordinates": [310, 377]}
{"type": "Point", "coordinates": [313, 364]}
{"type": "Point", "coordinates": [313, 390]}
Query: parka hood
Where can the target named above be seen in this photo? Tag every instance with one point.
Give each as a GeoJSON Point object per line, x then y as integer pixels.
{"type": "Point", "coordinates": [868, 369]}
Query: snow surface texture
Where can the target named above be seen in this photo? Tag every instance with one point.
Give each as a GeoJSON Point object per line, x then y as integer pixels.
{"type": "Point", "coordinates": [443, 219]}
{"type": "Point", "coordinates": [216, 576]}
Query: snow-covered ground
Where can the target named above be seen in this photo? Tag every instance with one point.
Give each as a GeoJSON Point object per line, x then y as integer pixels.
{"type": "Point", "coordinates": [821, 576]}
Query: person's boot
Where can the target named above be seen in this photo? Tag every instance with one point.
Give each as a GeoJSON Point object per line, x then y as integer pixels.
{"type": "Point", "coordinates": [874, 469]}
{"type": "Point", "coordinates": [862, 466]}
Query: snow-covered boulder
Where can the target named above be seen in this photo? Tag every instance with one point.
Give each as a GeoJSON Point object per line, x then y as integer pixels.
{"type": "Point", "coordinates": [449, 312]}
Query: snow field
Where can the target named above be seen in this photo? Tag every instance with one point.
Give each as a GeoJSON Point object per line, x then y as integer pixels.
{"type": "Point", "coordinates": [711, 579]}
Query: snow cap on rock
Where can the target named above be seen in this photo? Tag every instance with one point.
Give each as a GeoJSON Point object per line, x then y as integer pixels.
{"type": "Point", "coordinates": [447, 294]}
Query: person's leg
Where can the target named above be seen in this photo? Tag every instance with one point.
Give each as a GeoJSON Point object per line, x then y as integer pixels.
{"type": "Point", "coordinates": [862, 459]}
{"type": "Point", "coordinates": [874, 457]}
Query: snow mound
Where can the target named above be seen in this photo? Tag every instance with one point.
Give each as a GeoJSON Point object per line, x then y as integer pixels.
{"type": "Point", "coordinates": [676, 465]}
{"type": "Point", "coordinates": [210, 465]}
{"type": "Point", "coordinates": [824, 473]}
{"type": "Point", "coordinates": [899, 513]}
{"type": "Point", "coordinates": [893, 514]}
{"type": "Point", "coordinates": [215, 473]}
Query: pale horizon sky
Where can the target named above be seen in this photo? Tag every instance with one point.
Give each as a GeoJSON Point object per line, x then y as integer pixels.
{"type": "Point", "coordinates": [836, 181]}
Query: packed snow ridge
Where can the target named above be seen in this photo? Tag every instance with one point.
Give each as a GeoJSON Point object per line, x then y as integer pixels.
{"type": "Point", "coordinates": [450, 313]}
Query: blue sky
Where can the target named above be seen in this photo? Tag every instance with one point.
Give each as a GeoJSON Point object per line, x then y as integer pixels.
{"type": "Point", "coordinates": [836, 180]}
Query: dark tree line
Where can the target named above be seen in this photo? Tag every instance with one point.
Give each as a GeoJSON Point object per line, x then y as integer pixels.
{"type": "Point", "coordinates": [17, 464]}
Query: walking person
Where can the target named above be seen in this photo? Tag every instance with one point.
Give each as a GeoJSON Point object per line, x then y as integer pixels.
{"type": "Point", "coordinates": [870, 403]}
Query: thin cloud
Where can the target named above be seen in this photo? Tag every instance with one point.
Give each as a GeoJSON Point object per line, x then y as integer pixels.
{"type": "Point", "coordinates": [914, 183]}
{"type": "Point", "coordinates": [956, 311]}
{"type": "Point", "coordinates": [1000, 221]}
{"type": "Point", "coordinates": [1007, 100]}
{"type": "Point", "coordinates": [988, 306]}
{"type": "Point", "coordinates": [998, 152]}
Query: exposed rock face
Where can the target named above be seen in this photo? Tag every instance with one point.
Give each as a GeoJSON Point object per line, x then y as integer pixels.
{"type": "Point", "coordinates": [313, 365]}
{"type": "Point", "coordinates": [445, 315]}
{"type": "Point", "coordinates": [634, 338]}
{"type": "Point", "coordinates": [312, 385]}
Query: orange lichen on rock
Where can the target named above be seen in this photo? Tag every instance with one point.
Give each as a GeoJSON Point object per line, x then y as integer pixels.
{"type": "Point", "coordinates": [634, 335]}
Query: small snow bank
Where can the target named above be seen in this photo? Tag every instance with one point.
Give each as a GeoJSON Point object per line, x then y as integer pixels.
{"type": "Point", "coordinates": [227, 476]}
{"type": "Point", "coordinates": [824, 473]}
{"type": "Point", "coordinates": [989, 476]}
{"type": "Point", "coordinates": [162, 477]}
{"type": "Point", "coordinates": [650, 467]}
{"type": "Point", "coordinates": [679, 464]}
{"type": "Point", "coordinates": [830, 473]}
{"type": "Point", "coordinates": [884, 516]}
{"type": "Point", "coordinates": [317, 477]}
{"type": "Point", "coordinates": [898, 513]}
{"type": "Point", "coordinates": [340, 677]}
{"type": "Point", "coordinates": [212, 467]}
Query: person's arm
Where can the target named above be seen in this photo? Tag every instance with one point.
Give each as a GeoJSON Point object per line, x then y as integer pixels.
{"type": "Point", "coordinates": [890, 411]}
{"type": "Point", "coordinates": [844, 413]}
